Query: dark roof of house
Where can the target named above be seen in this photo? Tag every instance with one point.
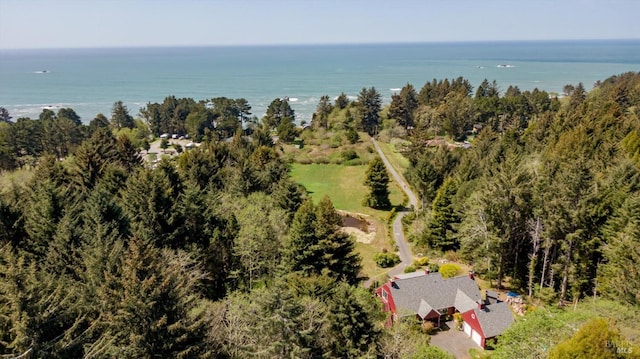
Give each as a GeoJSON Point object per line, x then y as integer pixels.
{"type": "Point", "coordinates": [463, 302]}
{"type": "Point", "coordinates": [494, 319]}
{"type": "Point", "coordinates": [419, 293]}
{"type": "Point", "coordinates": [425, 309]}
{"type": "Point", "coordinates": [492, 297]}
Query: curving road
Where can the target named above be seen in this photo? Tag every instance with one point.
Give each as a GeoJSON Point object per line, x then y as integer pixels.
{"type": "Point", "coordinates": [398, 234]}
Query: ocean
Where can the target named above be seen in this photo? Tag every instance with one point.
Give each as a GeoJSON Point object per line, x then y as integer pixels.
{"type": "Point", "coordinates": [91, 80]}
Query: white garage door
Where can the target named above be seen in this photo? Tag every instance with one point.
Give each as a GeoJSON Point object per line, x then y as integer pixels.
{"type": "Point", "coordinates": [475, 336]}
{"type": "Point", "coordinates": [467, 328]}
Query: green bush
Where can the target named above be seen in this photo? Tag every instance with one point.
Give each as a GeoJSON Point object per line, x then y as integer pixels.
{"type": "Point", "coordinates": [391, 215]}
{"type": "Point", "coordinates": [352, 136]}
{"type": "Point", "coordinates": [427, 327]}
{"type": "Point", "coordinates": [304, 160]}
{"type": "Point", "coordinates": [349, 154]}
{"type": "Point", "coordinates": [386, 260]}
{"type": "Point", "coordinates": [355, 162]}
{"type": "Point", "coordinates": [433, 268]}
{"type": "Point", "coordinates": [547, 295]}
{"type": "Point", "coordinates": [410, 269]}
{"type": "Point", "coordinates": [457, 319]}
{"type": "Point", "coordinates": [421, 262]}
{"type": "Point", "coordinates": [335, 141]}
{"type": "Point", "coordinates": [449, 270]}
{"type": "Point", "coordinates": [409, 218]}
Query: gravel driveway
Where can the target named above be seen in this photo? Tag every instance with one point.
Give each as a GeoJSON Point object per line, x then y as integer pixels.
{"type": "Point", "coordinates": [453, 341]}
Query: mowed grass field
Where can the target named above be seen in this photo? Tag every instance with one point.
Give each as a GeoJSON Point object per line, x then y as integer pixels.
{"type": "Point", "coordinates": [343, 184]}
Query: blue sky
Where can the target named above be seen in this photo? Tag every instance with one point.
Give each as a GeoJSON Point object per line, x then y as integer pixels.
{"type": "Point", "coordinates": [109, 23]}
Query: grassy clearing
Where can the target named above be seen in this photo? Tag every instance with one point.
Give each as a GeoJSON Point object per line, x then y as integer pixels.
{"type": "Point", "coordinates": [368, 250]}
{"type": "Point", "coordinates": [320, 166]}
{"type": "Point", "coordinates": [324, 147]}
{"type": "Point", "coordinates": [343, 184]}
{"type": "Point", "coordinates": [398, 161]}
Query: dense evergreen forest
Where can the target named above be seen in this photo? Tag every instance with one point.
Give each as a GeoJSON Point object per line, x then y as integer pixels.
{"type": "Point", "coordinates": [548, 192]}
{"type": "Point", "coordinates": [218, 253]}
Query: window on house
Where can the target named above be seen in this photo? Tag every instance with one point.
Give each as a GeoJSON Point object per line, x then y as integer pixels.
{"type": "Point", "coordinates": [384, 295]}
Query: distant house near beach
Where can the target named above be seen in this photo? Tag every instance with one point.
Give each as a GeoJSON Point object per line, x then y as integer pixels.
{"type": "Point", "coordinates": [429, 297]}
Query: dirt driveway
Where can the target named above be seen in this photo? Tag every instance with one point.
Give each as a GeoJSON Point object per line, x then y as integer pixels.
{"type": "Point", "coordinates": [454, 342]}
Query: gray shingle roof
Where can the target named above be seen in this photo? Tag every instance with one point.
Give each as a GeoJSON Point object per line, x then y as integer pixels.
{"type": "Point", "coordinates": [424, 309]}
{"type": "Point", "coordinates": [463, 303]}
{"type": "Point", "coordinates": [409, 291]}
{"type": "Point", "coordinates": [494, 319]}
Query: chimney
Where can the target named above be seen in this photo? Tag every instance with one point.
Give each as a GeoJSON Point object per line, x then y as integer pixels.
{"type": "Point", "coordinates": [471, 275]}
{"type": "Point", "coordinates": [393, 283]}
{"type": "Point", "coordinates": [480, 305]}
{"type": "Point", "coordinates": [426, 270]}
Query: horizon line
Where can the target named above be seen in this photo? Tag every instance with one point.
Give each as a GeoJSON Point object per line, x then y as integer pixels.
{"type": "Point", "coordinates": [435, 42]}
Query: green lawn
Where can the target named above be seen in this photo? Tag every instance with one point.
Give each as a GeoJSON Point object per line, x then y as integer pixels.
{"type": "Point", "coordinates": [343, 184]}
{"type": "Point", "coordinates": [398, 161]}
{"type": "Point", "coordinates": [369, 267]}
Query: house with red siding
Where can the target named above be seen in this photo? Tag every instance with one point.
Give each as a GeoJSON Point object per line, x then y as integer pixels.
{"type": "Point", "coordinates": [428, 296]}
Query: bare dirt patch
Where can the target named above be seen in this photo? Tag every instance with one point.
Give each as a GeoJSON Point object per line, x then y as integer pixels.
{"type": "Point", "coordinates": [359, 235]}
{"type": "Point", "coordinates": [359, 226]}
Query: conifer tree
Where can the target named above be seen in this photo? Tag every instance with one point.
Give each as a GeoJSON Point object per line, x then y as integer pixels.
{"type": "Point", "coordinates": [377, 179]}
{"type": "Point", "coordinates": [317, 246]}
{"type": "Point", "coordinates": [128, 156]}
{"type": "Point", "coordinates": [4, 115]}
{"type": "Point", "coordinates": [301, 251]}
{"type": "Point", "coordinates": [618, 276]}
{"type": "Point", "coordinates": [403, 106]}
{"type": "Point", "coordinates": [151, 306]}
{"type": "Point", "coordinates": [120, 117]}
{"type": "Point", "coordinates": [342, 101]}
{"type": "Point", "coordinates": [353, 330]}
{"type": "Point", "coordinates": [289, 196]}
{"type": "Point", "coordinates": [279, 111]}
{"type": "Point", "coordinates": [369, 105]}
{"type": "Point", "coordinates": [100, 121]}
{"type": "Point", "coordinates": [321, 116]}
{"type": "Point", "coordinates": [338, 248]}
{"type": "Point", "coordinates": [38, 311]}
{"type": "Point", "coordinates": [282, 324]}
{"type": "Point", "coordinates": [43, 211]}
{"type": "Point", "coordinates": [93, 156]}
{"type": "Point", "coordinates": [148, 200]}
{"type": "Point", "coordinates": [441, 228]}
{"type": "Point", "coordinates": [11, 223]}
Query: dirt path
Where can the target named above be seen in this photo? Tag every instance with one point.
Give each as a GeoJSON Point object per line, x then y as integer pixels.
{"type": "Point", "coordinates": [403, 247]}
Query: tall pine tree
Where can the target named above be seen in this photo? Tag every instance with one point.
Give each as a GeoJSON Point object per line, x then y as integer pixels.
{"type": "Point", "coordinates": [377, 179]}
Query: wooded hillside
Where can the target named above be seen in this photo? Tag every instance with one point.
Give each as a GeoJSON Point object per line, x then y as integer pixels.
{"type": "Point", "coordinates": [217, 253]}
